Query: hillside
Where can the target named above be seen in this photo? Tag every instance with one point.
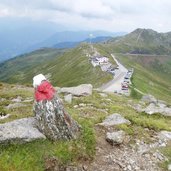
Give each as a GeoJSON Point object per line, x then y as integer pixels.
{"type": "Point", "coordinates": [140, 148]}
{"type": "Point", "coordinates": [74, 44]}
{"type": "Point", "coordinates": [21, 68]}
{"type": "Point", "coordinates": [71, 68]}
{"type": "Point", "coordinates": [142, 41]}
{"type": "Point", "coordinates": [151, 73]}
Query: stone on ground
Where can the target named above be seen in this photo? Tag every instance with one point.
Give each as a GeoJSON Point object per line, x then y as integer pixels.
{"type": "Point", "coordinates": [149, 99]}
{"type": "Point", "coordinates": [68, 98]}
{"type": "Point", "coordinates": [169, 167]}
{"type": "Point", "coordinates": [20, 131]}
{"type": "Point", "coordinates": [81, 90]}
{"type": "Point", "coordinates": [54, 121]}
{"type": "Point", "coordinates": [114, 119]}
{"type": "Point", "coordinates": [115, 138]}
{"type": "Point", "coordinates": [164, 135]}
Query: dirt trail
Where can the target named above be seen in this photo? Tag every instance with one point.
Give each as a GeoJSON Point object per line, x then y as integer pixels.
{"type": "Point", "coordinates": [120, 158]}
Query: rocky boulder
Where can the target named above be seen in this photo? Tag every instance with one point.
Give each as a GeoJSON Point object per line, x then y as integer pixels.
{"type": "Point", "coordinates": [81, 90]}
{"type": "Point", "coordinates": [149, 99]}
{"type": "Point", "coordinates": [15, 105]}
{"type": "Point", "coordinates": [114, 119]}
{"type": "Point", "coordinates": [155, 108]}
{"type": "Point", "coordinates": [164, 135]}
{"type": "Point", "coordinates": [20, 131]}
{"type": "Point", "coordinates": [115, 138]}
{"type": "Point", "coordinates": [68, 98]}
{"type": "Point", "coordinates": [169, 167]}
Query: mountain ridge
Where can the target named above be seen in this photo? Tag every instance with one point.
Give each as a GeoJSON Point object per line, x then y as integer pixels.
{"type": "Point", "coordinates": [142, 41]}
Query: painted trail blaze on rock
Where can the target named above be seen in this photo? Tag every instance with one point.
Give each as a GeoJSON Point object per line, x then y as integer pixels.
{"type": "Point", "coordinates": [52, 119]}
{"type": "Point", "coordinates": [44, 91]}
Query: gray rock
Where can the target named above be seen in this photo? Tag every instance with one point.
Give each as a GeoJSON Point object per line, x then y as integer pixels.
{"type": "Point", "coordinates": [17, 100]}
{"type": "Point", "coordinates": [161, 105]}
{"type": "Point", "coordinates": [2, 99]}
{"type": "Point", "coordinates": [138, 108]}
{"type": "Point", "coordinates": [115, 138]}
{"type": "Point", "coordinates": [15, 105]}
{"type": "Point", "coordinates": [68, 98]}
{"type": "Point", "coordinates": [82, 105]}
{"type": "Point", "coordinates": [114, 119]}
{"type": "Point", "coordinates": [155, 108]}
{"type": "Point", "coordinates": [161, 102]}
{"type": "Point", "coordinates": [76, 106]}
{"type": "Point", "coordinates": [152, 109]}
{"type": "Point", "coordinates": [20, 131]}
{"type": "Point", "coordinates": [149, 99]}
{"type": "Point", "coordinates": [54, 121]}
{"type": "Point", "coordinates": [103, 95]}
{"type": "Point", "coordinates": [81, 90]}
{"type": "Point", "coordinates": [164, 135]}
{"type": "Point", "coordinates": [4, 117]}
{"type": "Point", "coordinates": [169, 167]}
{"type": "Point", "coordinates": [28, 100]}
{"type": "Point", "coordinates": [166, 111]}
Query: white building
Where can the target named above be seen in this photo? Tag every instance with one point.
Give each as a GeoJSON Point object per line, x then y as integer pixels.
{"type": "Point", "coordinates": [99, 60]}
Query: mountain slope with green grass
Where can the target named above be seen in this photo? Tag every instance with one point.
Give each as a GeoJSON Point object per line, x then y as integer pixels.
{"type": "Point", "coordinates": [151, 74]}
{"type": "Point", "coordinates": [142, 41]}
{"type": "Point", "coordinates": [21, 68]}
{"type": "Point", "coordinates": [69, 68]}
{"type": "Point", "coordinates": [41, 155]}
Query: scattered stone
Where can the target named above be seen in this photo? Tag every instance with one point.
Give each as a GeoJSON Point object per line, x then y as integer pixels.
{"type": "Point", "coordinates": [54, 164]}
{"type": "Point", "coordinates": [15, 105]}
{"type": "Point", "coordinates": [155, 108]}
{"type": "Point", "coordinates": [81, 90]}
{"type": "Point", "coordinates": [68, 98]}
{"type": "Point", "coordinates": [103, 95]}
{"type": "Point", "coordinates": [76, 106]}
{"type": "Point", "coordinates": [17, 100]}
{"type": "Point", "coordinates": [2, 99]}
{"type": "Point", "coordinates": [164, 135]}
{"type": "Point", "coordinates": [149, 99]}
{"type": "Point", "coordinates": [169, 167]}
{"type": "Point", "coordinates": [166, 111]}
{"type": "Point", "coordinates": [4, 117]}
{"type": "Point", "coordinates": [20, 131]}
{"type": "Point", "coordinates": [161, 105]}
{"type": "Point", "coordinates": [161, 102]}
{"type": "Point", "coordinates": [138, 108]}
{"type": "Point", "coordinates": [159, 156]}
{"type": "Point", "coordinates": [114, 119]}
{"type": "Point", "coordinates": [28, 100]}
{"type": "Point", "coordinates": [151, 109]}
{"type": "Point", "coordinates": [115, 138]}
{"type": "Point", "coordinates": [82, 105]}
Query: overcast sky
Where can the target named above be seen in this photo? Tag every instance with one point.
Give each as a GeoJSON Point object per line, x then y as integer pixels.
{"type": "Point", "coordinates": [110, 15]}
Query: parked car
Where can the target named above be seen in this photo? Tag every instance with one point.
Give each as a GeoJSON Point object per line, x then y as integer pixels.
{"type": "Point", "coordinates": [124, 85]}
{"type": "Point", "coordinates": [127, 81]}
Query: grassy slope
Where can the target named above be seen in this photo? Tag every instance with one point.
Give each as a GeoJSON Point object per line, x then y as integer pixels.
{"type": "Point", "coordinates": [152, 74]}
{"type": "Point", "coordinates": [74, 68]}
{"type": "Point", "coordinates": [143, 41]}
{"type": "Point", "coordinates": [69, 69]}
{"type": "Point", "coordinates": [22, 68]}
{"type": "Point", "coordinates": [32, 156]}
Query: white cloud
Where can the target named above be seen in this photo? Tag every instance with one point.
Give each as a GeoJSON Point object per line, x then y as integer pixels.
{"type": "Point", "coordinates": [113, 15]}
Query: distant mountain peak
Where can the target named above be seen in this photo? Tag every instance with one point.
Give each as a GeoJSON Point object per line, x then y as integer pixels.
{"type": "Point", "coordinates": [143, 41]}
{"type": "Point", "coordinates": [143, 30]}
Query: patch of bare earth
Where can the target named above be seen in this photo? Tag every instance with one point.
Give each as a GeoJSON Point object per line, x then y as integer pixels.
{"type": "Point", "coordinates": [124, 157]}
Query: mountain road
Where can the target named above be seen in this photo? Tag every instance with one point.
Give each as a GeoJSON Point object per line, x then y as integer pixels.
{"type": "Point", "coordinates": [115, 84]}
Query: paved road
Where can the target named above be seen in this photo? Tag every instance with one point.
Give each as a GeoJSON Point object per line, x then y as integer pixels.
{"type": "Point", "coordinates": [115, 84]}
